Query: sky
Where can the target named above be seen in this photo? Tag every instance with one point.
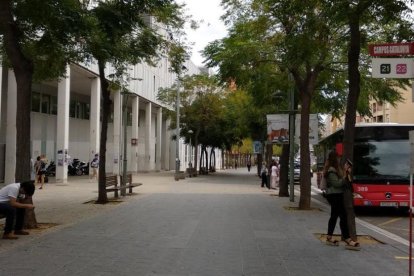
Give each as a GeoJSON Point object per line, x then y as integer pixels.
{"type": "Point", "coordinates": [210, 28]}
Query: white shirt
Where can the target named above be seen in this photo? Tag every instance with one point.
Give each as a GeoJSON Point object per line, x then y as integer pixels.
{"type": "Point", "coordinates": [11, 190]}
{"type": "Point", "coordinates": [274, 170]}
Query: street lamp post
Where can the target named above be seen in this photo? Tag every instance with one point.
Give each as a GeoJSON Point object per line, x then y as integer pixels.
{"type": "Point", "coordinates": [177, 147]}
{"type": "Point", "coordinates": [292, 115]}
{"type": "Point", "coordinates": [125, 161]}
{"type": "Point", "coordinates": [124, 157]}
{"type": "Point", "coordinates": [191, 153]}
{"type": "Point", "coordinates": [177, 131]}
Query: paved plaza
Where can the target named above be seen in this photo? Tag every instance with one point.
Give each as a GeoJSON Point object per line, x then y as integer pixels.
{"type": "Point", "coordinates": [217, 224]}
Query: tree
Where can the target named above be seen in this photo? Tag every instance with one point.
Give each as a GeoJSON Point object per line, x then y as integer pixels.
{"type": "Point", "coordinates": [118, 34]}
{"type": "Point", "coordinates": [358, 15]}
{"type": "Point", "coordinates": [201, 110]}
{"type": "Point", "coordinates": [305, 40]}
{"type": "Point", "coordinates": [281, 29]}
{"type": "Point", "coordinates": [38, 39]}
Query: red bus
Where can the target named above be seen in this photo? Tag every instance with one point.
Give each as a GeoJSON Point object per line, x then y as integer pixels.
{"type": "Point", "coordinates": [381, 163]}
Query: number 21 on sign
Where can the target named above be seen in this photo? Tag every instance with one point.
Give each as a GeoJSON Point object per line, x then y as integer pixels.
{"type": "Point", "coordinates": [385, 68]}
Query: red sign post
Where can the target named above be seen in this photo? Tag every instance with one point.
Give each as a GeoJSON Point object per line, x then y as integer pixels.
{"type": "Point", "coordinates": [391, 49]}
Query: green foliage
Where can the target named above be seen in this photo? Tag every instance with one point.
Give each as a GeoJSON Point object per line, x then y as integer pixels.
{"type": "Point", "coordinates": [218, 117]}
{"type": "Point", "coordinates": [48, 33]}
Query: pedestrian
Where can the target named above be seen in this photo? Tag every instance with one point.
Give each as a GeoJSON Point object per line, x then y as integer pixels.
{"type": "Point", "coordinates": [274, 175]}
{"type": "Point", "coordinates": [95, 166]}
{"type": "Point", "coordinates": [14, 210]}
{"type": "Point", "coordinates": [36, 167]}
{"type": "Point", "coordinates": [249, 165]}
{"type": "Point", "coordinates": [32, 170]}
{"type": "Point", "coordinates": [335, 196]}
{"type": "Point", "coordinates": [235, 164]}
{"type": "Point", "coordinates": [263, 175]}
{"type": "Point", "coordinates": [41, 170]}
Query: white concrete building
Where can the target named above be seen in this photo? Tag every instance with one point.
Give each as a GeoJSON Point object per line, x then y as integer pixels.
{"type": "Point", "coordinates": [65, 121]}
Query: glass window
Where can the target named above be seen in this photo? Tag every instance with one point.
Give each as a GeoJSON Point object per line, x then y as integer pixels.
{"type": "Point", "coordinates": [72, 109]}
{"type": "Point", "coordinates": [87, 111]}
{"type": "Point", "coordinates": [36, 102]}
{"type": "Point", "coordinates": [382, 162]}
{"type": "Point", "coordinates": [53, 105]}
{"type": "Point", "coordinates": [45, 104]}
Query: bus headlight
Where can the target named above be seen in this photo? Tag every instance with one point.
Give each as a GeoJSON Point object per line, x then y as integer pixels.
{"type": "Point", "coordinates": [358, 196]}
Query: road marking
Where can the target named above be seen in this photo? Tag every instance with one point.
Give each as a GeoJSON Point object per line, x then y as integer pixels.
{"type": "Point", "coordinates": [369, 225]}
{"type": "Point", "coordinates": [390, 221]}
{"type": "Point", "coordinates": [403, 257]}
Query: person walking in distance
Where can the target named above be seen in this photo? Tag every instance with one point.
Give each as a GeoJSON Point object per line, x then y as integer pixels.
{"type": "Point", "coordinates": [263, 175]}
{"type": "Point", "coordinates": [14, 210]}
{"type": "Point", "coordinates": [42, 170]}
{"type": "Point", "coordinates": [273, 175]}
{"type": "Point", "coordinates": [95, 166]}
{"type": "Point", "coordinates": [334, 194]}
{"type": "Point", "coordinates": [249, 165]}
{"type": "Point", "coordinates": [36, 168]}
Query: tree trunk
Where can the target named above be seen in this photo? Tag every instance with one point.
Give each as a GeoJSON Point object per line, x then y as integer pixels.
{"type": "Point", "coordinates": [30, 221]}
{"type": "Point", "coordinates": [353, 96]}
{"type": "Point", "coordinates": [305, 182]}
{"type": "Point", "coordinates": [106, 111]}
{"type": "Point", "coordinates": [23, 70]}
{"type": "Point", "coordinates": [283, 174]}
{"type": "Point", "coordinates": [259, 163]}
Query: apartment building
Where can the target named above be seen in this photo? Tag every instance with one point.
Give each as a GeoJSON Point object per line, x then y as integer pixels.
{"type": "Point", "coordinates": [382, 112]}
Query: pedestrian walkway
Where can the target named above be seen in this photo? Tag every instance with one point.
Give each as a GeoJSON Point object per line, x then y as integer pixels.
{"type": "Point", "coordinates": [217, 224]}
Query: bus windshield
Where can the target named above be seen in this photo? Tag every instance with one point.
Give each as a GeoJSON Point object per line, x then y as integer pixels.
{"type": "Point", "coordinates": [382, 162]}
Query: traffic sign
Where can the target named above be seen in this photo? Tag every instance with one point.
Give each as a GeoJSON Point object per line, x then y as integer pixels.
{"type": "Point", "coordinates": [391, 49]}
{"type": "Point", "coordinates": [400, 68]}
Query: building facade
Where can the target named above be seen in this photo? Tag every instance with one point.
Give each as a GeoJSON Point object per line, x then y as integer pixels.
{"type": "Point", "coordinates": [66, 121]}
{"type": "Point", "coordinates": [402, 113]}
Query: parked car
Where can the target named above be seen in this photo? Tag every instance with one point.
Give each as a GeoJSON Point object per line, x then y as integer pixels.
{"type": "Point", "coordinates": [296, 172]}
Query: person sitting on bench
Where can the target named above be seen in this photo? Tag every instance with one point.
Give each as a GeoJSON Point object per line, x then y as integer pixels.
{"type": "Point", "coordinates": [12, 209]}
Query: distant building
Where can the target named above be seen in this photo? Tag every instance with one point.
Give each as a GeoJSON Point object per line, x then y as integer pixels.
{"type": "Point", "coordinates": [402, 113]}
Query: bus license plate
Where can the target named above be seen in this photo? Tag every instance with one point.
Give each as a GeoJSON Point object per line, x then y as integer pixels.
{"type": "Point", "coordinates": [389, 204]}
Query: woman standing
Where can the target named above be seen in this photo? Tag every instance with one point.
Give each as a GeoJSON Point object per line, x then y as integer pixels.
{"type": "Point", "coordinates": [335, 196]}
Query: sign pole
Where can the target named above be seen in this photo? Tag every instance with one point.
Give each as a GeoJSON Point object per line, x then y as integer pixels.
{"type": "Point", "coordinates": [411, 137]}
{"type": "Point", "coordinates": [411, 225]}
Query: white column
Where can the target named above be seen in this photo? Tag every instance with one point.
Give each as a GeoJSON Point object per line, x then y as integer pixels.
{"type": "Point", "coordinates": [116, 159]}
{"type": "Point", "coordinates": [94, 119]}
{"type": "Point", "coordinates": [148, 114]}
{"type": "Point", "coordinates": [62, 136]}
{"type": "Point", "coordinates": [158, 147]}
{"type": "Point", "coordinates": [166, 141]}
{"type": "Point", "coordinates": [11, 131]}
{"type": "Point", "coordinates": [134, 134]}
